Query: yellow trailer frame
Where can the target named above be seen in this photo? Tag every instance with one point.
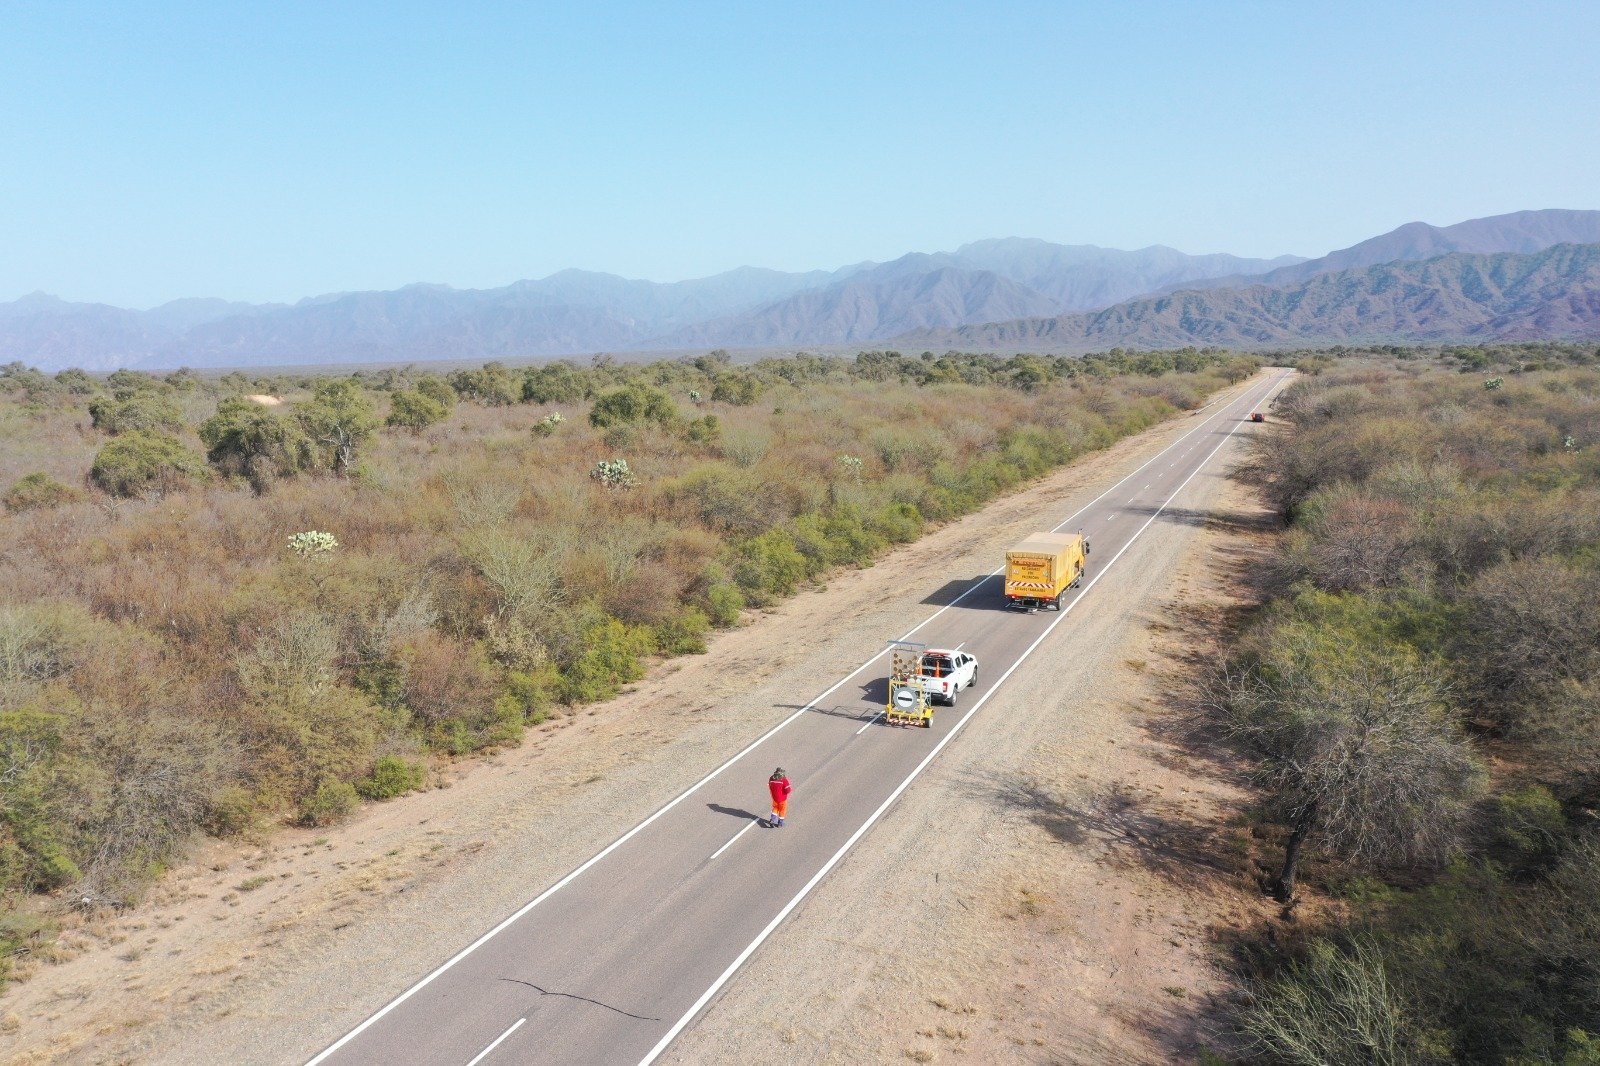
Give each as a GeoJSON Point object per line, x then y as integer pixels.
{"type": "Point", "coordinates": [908, 704]}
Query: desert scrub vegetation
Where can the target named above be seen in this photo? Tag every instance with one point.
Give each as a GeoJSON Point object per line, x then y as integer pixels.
{"type": "Point", "coordinates": [237, 601]}
{"type": "Point", "coordinates": [1420, 695]}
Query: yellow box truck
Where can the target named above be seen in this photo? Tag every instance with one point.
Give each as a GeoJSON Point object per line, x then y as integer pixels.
{"type": "Point", "coordinates": [1041, 569]}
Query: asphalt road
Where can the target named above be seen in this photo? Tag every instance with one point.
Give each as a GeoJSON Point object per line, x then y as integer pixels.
{"type": "Point", "coordinates": [611, 962]}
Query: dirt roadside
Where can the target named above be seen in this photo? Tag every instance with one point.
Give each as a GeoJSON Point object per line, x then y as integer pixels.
{"type": "Point", "coordinates": [266, 953]}
{"type": "Point", "coordinates": [1056, 888]}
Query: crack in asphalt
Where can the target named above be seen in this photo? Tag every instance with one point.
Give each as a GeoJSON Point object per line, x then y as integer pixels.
{"type": "Point", "coordinates": [581, 999]}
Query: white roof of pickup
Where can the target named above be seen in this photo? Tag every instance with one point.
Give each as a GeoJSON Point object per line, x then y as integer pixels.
{"type": "Point", "coordinates": [1045, 543]}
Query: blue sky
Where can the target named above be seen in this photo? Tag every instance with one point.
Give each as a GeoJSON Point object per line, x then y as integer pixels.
{"type": "Point", "coordinates": [272, 151]}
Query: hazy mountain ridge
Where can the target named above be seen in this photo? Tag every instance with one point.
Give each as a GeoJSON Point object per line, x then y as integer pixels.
{"type": "Point", "coordinates": [1456, 297]}
{"type": "Point", "coordinates": [1519, 231]}
{"type": "Point", "coordinates": [1083, 277]}
{"type": "Point", "coordinates": [871, 306]}
{"type": "Point", "coordinates": [943, 294]}
{"type": "Point", "coordinates": [577, 311]}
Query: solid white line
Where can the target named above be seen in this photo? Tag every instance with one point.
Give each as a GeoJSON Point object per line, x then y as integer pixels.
{"type": "Point", "coordinates": [729, 844]}
{"type": "Point", "coordinates": [706, 996]}
{"type": "Point", "coordinates": [630, 834]}
{"type": "Point", "coordinates": [480, 1055]}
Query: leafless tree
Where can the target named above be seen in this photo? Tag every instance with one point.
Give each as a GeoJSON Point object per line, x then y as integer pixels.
{"type": "Point", "coordinates": [1535, 625]}
{"type": "Point", "coordinates": [1359, 754]}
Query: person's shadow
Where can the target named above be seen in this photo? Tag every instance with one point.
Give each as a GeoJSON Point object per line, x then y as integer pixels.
{"type": "Point", "coordinates": [735, 812]}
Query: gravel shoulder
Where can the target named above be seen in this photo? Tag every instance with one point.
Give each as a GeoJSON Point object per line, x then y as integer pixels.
{"type": "Point", "coordinates": [1012, 936]}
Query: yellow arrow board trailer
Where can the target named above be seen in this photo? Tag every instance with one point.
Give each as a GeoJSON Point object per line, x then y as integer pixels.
{"type": "Point", "coordinates": [908, 703]}
{"type": "Point", "coordinates": [1041, 569]}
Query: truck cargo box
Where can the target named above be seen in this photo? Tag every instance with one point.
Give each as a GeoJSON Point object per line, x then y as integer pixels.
{"type": "Point", "coordinates": [1041, 569]}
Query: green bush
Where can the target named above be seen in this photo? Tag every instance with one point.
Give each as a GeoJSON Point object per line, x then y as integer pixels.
{"type": "Point", "coordinates": [76, 382]}
{"type": "Point", "coordinates": [339, 419]}
{"type": "Point", "coordinates": [39, 492]}
{"type": "Point", "coordinates": [494, 385]}
{"type": "Point", "coordinates": [769, 567]}
{"type": "Point", "coordinates": [138, 411]}
{"type": "Point", "coordinates": [391, 776]}
{"type": "Point", "coordinates": [35, 831]}
{"type": "Point", "coordinates": [234, 812]}
{"type": "Point", "coordinates": [704, 431]}
{"type": "Point", "coordinates": [535, 691]}
{"type": "Point", "coordinates": [332, 802]}
{"type": "Point", "coordinates": [410, 409]}
{"type": "Point", "coordinates": [610, 659]}
{"type": "Point", "coordinates": [684, 633]}
{"type": "Point", "coordinates": [724, 603]}
{"type": "Point", "coordinates": [438, 390]}
{"type": "Point", "coordinates": [20, 933]}
{"type": "Point", "coordinates": [498, 724]}
{"type": "Point", "coordinates": [1528, 826]}
{"type": "Point", "coordinates": [740, 389]}
{"type": "Point", "coordinates": [631, 405]}
{"type": "Point", "coordinates": [245, 439]}
{"type": "Point", "coordinates": [141, 463]}
{"type": "Point", "coordinates": [898, 523]}
{"type": "Point", "coordinates": [554, 383]}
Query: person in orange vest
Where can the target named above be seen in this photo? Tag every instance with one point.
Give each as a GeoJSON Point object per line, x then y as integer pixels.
{"type": "Point", "coordinates": [778, 784]}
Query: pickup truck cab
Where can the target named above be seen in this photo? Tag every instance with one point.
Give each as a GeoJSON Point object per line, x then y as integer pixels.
{"type": "Point", "coordinates": [943, 673]}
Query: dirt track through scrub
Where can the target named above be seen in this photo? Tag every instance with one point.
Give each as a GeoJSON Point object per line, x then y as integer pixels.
{"type": "Point", "coordinates": [232, 960]}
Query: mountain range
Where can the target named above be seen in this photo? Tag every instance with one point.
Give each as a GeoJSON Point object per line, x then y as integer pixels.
{"type": "Point", "coordinates": [1554, 293]}
{"type": "Point", "coordinates": [1520, 231]}
{"type": "Point", "coordinates": [993, 293]}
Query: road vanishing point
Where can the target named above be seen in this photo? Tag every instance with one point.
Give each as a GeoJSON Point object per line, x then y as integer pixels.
{"type": "Point", "coordinates": [610, 963]}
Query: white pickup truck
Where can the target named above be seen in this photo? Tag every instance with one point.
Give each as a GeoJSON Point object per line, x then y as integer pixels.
{"type": "Point", "coordinates": [942, 672]}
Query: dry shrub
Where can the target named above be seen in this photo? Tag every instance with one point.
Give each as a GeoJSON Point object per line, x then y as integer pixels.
{"type": "Point", "coordinates": [445, 678]}
{"type": "Point", "coordinates": [188, 627]}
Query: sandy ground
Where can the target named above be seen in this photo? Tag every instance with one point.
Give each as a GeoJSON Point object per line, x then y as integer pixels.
{"type": "Point", "coordinates": [961, 924]}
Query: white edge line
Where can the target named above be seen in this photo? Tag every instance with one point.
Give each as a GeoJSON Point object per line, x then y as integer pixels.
{"type": "Point", "coordinates": [706, 996]}
{"type": "Point", "coordinates": [729, 844]}
{"type": "Point", "coordinates": [480, 1056]}
{"type": "Point", "coordinates": [624, 838]}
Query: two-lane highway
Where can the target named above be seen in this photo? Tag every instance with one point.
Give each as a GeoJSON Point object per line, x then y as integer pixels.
{"type": "Point", "coordinates": [611, 962]}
